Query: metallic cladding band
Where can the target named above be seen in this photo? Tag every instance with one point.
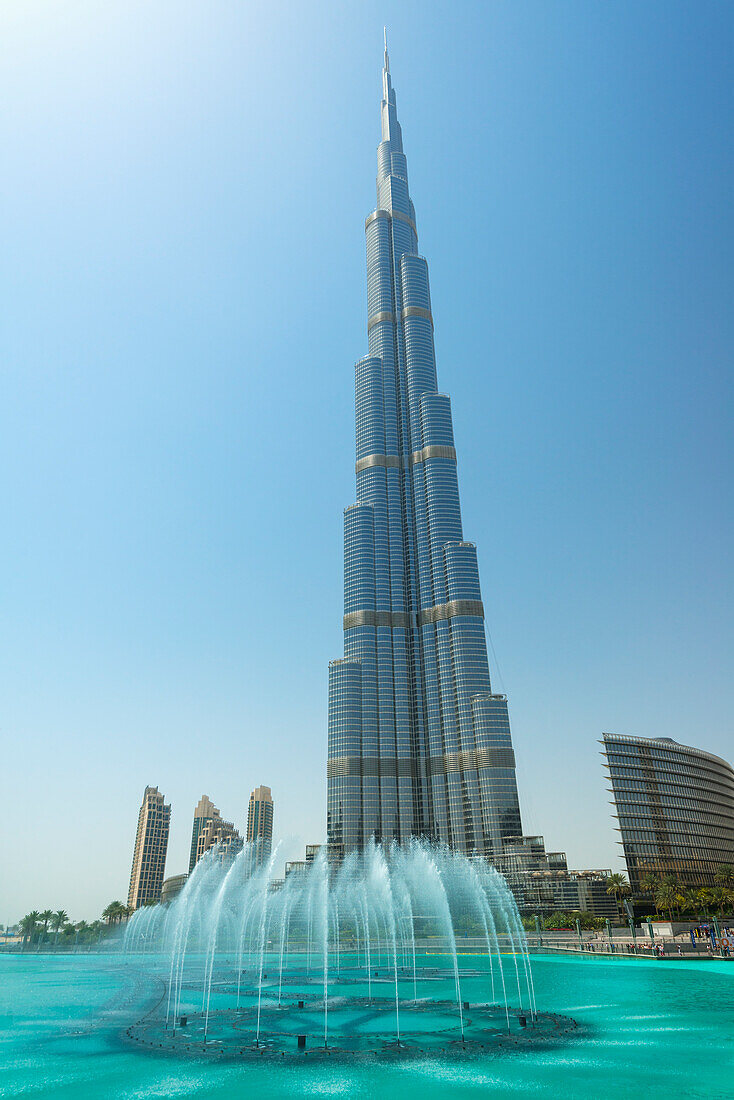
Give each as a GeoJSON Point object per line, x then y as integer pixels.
{"type": "Point", "coordinates": [436, 450]}
{"type": "Point", "coordinates": [396, 620]}
{"type": "Point", "coordinates": [397, 214]}
{"type": "Point", "coordinates": [417, 311]}
{"type": "Point", "coordinates": [448, 763]}
{"type": "Point", "coordinates": [451, 610]}
{"type": "Point", "coordinates": [407, 313]}
{"type": "Point", "coordinates": [370, 767]}
{"type": "Point", "coordinates": [393, 461]}
{"type": "Point", "coordinates": [405, 620]}
{"type": "Point", "coordinates": [378, 319]}
{"type": "Point", "coordinates": [471, 758]}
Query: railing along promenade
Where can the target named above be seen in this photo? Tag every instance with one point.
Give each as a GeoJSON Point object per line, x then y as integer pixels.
{"type": "Point", "coordinates": [589, 944]}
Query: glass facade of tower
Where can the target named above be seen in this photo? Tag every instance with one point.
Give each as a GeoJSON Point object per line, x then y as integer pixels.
{"type": "Point", "coordinates": [675, 808]}
{"type": "Point", "coordinates": [418, 743]}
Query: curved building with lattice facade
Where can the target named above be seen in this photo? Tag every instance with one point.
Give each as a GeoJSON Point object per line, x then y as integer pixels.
{"type": "Point", "coordinates": [674, 806]}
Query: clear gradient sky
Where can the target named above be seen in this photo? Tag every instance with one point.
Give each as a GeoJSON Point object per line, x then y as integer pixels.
{"type": "Point", "coordinates": [183, 298]}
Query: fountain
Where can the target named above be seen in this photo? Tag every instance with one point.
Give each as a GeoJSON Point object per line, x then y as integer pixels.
{"type": "Point", "coordinates": [348, 959]}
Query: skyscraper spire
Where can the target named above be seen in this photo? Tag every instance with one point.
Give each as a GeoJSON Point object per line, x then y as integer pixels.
{"type": "Point", "coordinates": [418, 742]}
{"type": "Point", "coordinates": [386, 65]}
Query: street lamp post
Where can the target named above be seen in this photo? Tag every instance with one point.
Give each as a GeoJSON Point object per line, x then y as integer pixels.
{"type": "Point", "coordinates": [631, 920]}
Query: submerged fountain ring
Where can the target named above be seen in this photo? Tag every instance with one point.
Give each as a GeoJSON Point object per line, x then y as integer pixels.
{"type": "Point", "coordinates": [294, 1029]}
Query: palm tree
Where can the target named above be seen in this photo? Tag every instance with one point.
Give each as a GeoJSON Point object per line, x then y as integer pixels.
{"type": "Point", "coordinates": [724, 876]}
{"type": "Point", "coordinates": [691, 901]}
{"type": "Point", "coordinates": [649, 882]}
{"type": "Point", "coordinates": [666, 897]}
{"type": "Point", "coordinates": [114, 912]}
{"type": "Point", "coordinates": [45, 917]}
{"type": "Point", "coordinates": [58, 920]}
{"type": "Point", "coordinates": [722, 899]}
{"type": "Point", "coordinates": [81, 928]}
{"type": "Point", "coordinates": [705, 900]}
{"type": "Point", "coordinates": [28, 926]}
{"type": "Point", "coordinates": [617, 885]}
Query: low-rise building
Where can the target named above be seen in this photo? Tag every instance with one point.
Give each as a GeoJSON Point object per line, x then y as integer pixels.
{"type": "Point", "coordinates": [542, 883]}
{"type": "Point", "coordinates": [172, 887]}
{"type": "Point", "coordinates": [300, 866]}
{"type": "Point", "coordinates": [544, 892]}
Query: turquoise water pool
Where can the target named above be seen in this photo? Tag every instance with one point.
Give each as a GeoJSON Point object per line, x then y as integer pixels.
{"type": "Point", "coordinates": [648, 1029]}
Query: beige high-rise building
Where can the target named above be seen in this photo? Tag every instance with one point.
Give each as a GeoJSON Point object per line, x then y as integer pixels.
{"type": "Point", "coordinates": [223, 836]}
{"type": "Point", "coordinates": [210, 830]}
{"type": "Point", "coordinates": [260, 823]}
{"type": "Point", "coordinates": [204, 814]}
{"type": "Point", "coordinates": [151, 845]}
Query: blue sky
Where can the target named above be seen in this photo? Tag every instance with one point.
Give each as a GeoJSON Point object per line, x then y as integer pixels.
{"type": "Point", "coordinates": [183, 296]}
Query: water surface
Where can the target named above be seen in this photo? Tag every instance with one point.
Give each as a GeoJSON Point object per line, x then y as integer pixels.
{"type": "Point", "coordinates": [649, 1029]}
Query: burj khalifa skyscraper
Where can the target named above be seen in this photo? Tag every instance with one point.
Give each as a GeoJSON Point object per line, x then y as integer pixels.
{"type": "Point", "coordinates": [419, 745]}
